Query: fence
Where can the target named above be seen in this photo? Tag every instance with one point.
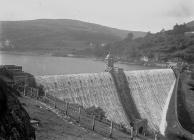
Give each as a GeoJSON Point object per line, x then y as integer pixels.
{"type": "Point", "coordinates": [104, 126]}
{"type": "Point", "coordinates": [28, 91]}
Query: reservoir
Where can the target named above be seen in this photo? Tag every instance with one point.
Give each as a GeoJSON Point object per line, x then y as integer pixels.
{"type": "Point", "coordinates": [51, 65]}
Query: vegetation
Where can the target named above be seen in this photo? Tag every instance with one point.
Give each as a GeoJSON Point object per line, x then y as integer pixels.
{"type": "Point", "coordinates": [61, 37]}
{"type": "Point", "coordinates": [58, 36]}
{"type": "Point", "coordinates": [161, 46]}
{"type": "Point", "coordinates": [97, 112]}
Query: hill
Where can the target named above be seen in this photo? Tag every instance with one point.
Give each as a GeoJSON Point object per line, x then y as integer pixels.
{"type": "Point", "coordinates": [175, 44]}
{"type": "Point", "coordinates": [58, 35]}
{"type": "Point", "coordinates": [190, 24]}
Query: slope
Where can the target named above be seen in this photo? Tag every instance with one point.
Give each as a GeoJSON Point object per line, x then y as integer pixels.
{"type": "Point", "coordinates": [61, 34]}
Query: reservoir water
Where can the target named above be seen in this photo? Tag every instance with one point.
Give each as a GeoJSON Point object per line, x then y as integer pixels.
{"type": "Point", "coordinates": [50, 65]}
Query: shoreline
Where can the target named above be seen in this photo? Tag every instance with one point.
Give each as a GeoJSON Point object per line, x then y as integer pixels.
{"type": "Point", "coordinates": [47, 54]}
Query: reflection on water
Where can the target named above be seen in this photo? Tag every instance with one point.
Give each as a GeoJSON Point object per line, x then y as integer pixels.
{"type": "Point", "coordinates": [49, 65]}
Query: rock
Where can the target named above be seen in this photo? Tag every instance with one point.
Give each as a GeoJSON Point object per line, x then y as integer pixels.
{"type": "Point", "coordinates": [14, 120]}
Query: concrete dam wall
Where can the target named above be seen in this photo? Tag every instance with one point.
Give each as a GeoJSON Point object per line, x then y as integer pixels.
{"type": "Point", "coordinates": [151, 91]}
{"type": "Point", "coordinates": [124, 96]}
{"type": "Point", "coordinates": [96, 89]}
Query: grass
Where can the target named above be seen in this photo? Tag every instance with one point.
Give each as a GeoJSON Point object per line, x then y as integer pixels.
{"type": "Point", "coordinates": [53, 127]}
{"type": "Point", "coordinates": [188, 87]}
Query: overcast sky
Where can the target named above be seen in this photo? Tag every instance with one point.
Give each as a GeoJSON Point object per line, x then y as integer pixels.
{"type": "Point", "coordinates": [142, 15]}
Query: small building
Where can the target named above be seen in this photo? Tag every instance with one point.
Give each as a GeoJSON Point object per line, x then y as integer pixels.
{"type": "Point", "coordinates": [189, 33]}
{"type": "Point", "coordinates": [14, 72]}
{"type": "Point", "coordinates": [12, 68]}
{"type": "Point", "coordinates": [20, 77]}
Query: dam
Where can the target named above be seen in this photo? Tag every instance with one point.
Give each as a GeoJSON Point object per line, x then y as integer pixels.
{"type": "Point", "coordinates": [125, 96]}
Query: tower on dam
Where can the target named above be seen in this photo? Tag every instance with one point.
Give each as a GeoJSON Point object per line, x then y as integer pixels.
{"type": "Point", "coordinates": [109, 62]}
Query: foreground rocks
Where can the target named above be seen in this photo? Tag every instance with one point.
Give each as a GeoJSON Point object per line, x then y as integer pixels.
{"type": "Point", "coordinates": [14, 120]}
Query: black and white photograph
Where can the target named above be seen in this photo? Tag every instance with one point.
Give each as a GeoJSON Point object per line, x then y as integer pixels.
{"type": "Point", "coordinates": [96, 69]}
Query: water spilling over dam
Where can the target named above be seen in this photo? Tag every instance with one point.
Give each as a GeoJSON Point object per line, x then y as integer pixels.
{"type": "Point", "coordinates": [151, 91]}
{"type": "Point", "coordinates": [141, 94]}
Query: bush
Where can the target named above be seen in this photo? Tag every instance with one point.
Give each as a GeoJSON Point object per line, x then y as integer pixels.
{"type": "Point", "coordinates": [97, 112]}
{"type": "Point", "coordinates": [41, 92]}
{"type": "Point", "coordinates": [123, 128]}
{"type": "Point", "coordinates": [192, 75]}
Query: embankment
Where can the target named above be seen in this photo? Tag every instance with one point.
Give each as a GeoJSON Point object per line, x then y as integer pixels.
{"type": "Point", "coordinates": [14, 120]}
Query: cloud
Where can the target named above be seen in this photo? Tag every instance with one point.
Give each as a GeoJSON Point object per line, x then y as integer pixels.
{"type": "Point", "coordinates": [181, 9]}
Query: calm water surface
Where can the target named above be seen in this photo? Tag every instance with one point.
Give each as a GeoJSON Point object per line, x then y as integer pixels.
{"type": "Point", "coordinates": [50, 65]}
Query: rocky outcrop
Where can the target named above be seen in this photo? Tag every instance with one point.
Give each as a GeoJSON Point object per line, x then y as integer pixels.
{"type": "Point", "coordinates": [14, 120]}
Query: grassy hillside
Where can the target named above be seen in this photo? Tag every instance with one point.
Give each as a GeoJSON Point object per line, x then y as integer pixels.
{"type": "Point", "coordinates": [57, 34]}
{"type": "Point", "coordinates": [53, 127]}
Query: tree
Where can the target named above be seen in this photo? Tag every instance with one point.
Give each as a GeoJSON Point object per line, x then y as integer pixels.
{"type": "Point", "coordinates": [129, 37]}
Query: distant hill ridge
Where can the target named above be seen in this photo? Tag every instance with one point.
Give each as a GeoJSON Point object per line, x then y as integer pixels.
{"type": "Point", "coordinates": [167, 45]}
{"type": "Point", "coordinates": [190, 24]}
{"type": "Point", "coordinates": [60, 34]}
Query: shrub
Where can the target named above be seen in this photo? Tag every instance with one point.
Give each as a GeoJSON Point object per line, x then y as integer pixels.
{"type": "Point", "coordinates": [97, 112]}
{"type": "Point", "coordinates": [123, 128]}
{"type": "Point", "coordinates": [192, 75]}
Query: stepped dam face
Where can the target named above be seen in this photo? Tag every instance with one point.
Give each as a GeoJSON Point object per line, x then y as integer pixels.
{"type": "Point", "coordinates": [146, 92]}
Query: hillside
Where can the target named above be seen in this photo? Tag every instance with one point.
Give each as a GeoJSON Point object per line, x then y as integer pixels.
{"type": "Point", "coordinates": [177, 43]}
{"type": "Point", "coordinates": [55, 127]}
{"type": "Point", "coordinates": [55, 35]}
{"type": "Point", "coordinates": [14, 120]}
{"type": "Point", "coordinates": [190, 24]}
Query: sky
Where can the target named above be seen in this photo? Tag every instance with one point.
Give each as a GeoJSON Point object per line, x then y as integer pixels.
{"type": "Point", "coordinates": [139, 15]}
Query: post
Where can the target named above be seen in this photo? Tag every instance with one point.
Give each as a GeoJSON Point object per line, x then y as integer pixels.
{"type": "Point", "coordinates": [24, 90]}
{"type": "Point", "coordinates": [155, 136]}
{"type": "Point", "coordinates": [93, 122]}
{"type": "Point", "coordinates": [45, 93]}
{"type": "Point", "coordinates": [55, 94]}
{"type": "Point", "coordinates": [55, 106]}
{"type": "Point", "coordinates": [66, 110]}
{"type": "Point", "coordinates": [111, 129]}
{"type": "Point", "coordinates": [37, 94]}
{"type": "Point", "coordinates": [79, 114]}
{"type": "Point", "coordinates": [131, 132]}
